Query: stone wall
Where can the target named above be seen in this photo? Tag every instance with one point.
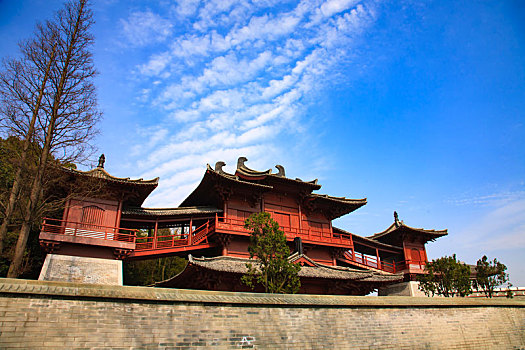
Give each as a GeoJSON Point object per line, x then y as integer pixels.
{"type": "Point", "coordinates": [51, 315]}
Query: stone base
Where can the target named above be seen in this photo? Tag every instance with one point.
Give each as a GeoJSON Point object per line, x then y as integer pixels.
{"type": "Point", "coordinates": [76, 269]}
{"type": "Point", "coordinates": [407, 289]}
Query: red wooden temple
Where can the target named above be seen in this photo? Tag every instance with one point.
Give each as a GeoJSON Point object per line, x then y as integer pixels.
{"type": "Point", "coordinates": [208, 229]}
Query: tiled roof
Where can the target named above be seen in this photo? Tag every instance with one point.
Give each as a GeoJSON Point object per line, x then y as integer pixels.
{"type": "Point", "coordinates": [169, 211]}
{"type": "Point", "coordinates": [238, 265]}
{"type": "Point", "coordinates": [399, 225]}
{"type": "Point", "coordinates": [244, 173]}
{"type": "Point", "coordinates": [342, 200]}
{"type": "Point", "coordinates": [100, 173]}
{"type": "Point", "coordinates": [357, 238]}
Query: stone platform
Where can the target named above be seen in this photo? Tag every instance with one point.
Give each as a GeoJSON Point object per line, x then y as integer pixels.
{"type": "Point", "coordinates": [76, 269]}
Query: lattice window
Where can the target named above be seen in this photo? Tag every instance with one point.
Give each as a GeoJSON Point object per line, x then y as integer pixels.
{"type": "Point", "coordinates": [92, 216]}
{"type": "Point", "coordinates": [415, 255]}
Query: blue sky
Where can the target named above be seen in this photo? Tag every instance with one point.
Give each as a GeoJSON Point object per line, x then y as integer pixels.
{"type": "Point", "coordinates": [418, 106]}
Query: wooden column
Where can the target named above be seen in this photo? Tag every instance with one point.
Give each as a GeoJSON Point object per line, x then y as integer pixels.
{"type": "Point", "coordinates": [300, 219]}
{"type": "Point", "coordinates": [155, 233]}
{"type": "Point", "coordinates": [377, 257]}
{"type": "Point", "coordinates": [190, 238]}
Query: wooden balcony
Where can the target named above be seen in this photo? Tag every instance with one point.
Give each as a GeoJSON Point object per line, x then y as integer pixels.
{"type": "Point", "coordinates": [162, 245]}
{"type": "Point", "coordinates": [236, 226]}
{"type": "Point", "coordinates": [60, 231]}
{"type": "Point", "coordinates": [54, 230]}
{"type": "Point", "coordinates": [367, 261]}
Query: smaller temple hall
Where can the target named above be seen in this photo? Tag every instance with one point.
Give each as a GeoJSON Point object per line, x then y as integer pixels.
{"type": "Point", "coordinates": [108, 224]}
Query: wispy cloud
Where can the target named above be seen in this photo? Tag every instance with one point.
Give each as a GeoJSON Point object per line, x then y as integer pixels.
{"type": "Point", "coordinates": [142, 28]}
{"type": "Point", "coordinates": [236, 80]}
{"type": "Point", "coordinates": [500, 229]}
{"type": "Point", "coordinates": [495, 199]}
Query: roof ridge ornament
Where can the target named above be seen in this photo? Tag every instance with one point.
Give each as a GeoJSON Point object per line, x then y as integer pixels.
{"type": "Point", "coordinates": [243, 169]}
{"type": "Point", "coordinates": [101, 161]}
{"type": "Point", "coordinates": [397, 222]}
{"type": "Point", "coordinates": [218, 167]}
{"type": "Point", "coordinates": [281, 172]}
{"type": "Point", "coordinates": [240, 162]}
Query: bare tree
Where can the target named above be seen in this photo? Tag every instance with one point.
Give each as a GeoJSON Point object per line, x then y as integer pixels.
{"type": "Point", "coordinates": [65, 122]}
{"type": "Point", "coordinates": [23, 84]}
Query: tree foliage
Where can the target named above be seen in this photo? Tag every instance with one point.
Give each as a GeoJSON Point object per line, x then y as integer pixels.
{"type": "Point", "coordinates": [489, 275]}
{"type": "Point", "coordinates": [33, 256]}
{"type": "Point", "coordinates": [268, 246]}
{"type": "Point", "coordinates": [147, 272]}
{"type": "Point", "coordinates": [447, 277]}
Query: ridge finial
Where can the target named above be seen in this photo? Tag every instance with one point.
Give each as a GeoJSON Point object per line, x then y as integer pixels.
{"type": "Point", "coordinates": [218, 167]}
{"type": "Point", "coordinates": [396, 218]}
{"type": "Point", "coordinates": [101, 161]}
{"type": "Point", "coordinates": [281, 172]}
{"type": "Point", "coordinates": [241, 161]}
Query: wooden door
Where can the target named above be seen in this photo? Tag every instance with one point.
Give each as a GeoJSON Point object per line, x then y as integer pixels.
{"type": "Point", "coordinates": [92, 218]}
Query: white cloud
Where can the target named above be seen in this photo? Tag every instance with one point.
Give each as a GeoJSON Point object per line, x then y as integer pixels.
{"type": "Point", "coordinates": [500, 229]}
{"type": "Point", "coordinates": [236, 80]}
{"type": "Point", "coordinates": [187, 7]}
{"type": "Point", "coordinates": [144, 28]}
{"type": "Point", "coordinates": [156, 64]}
{"type": "Point", "coordinates": [494, 199]}
{"type": "Point", "coordinates": [335, 6]}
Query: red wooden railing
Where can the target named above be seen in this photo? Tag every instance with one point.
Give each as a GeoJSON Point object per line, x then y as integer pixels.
{"type": "Point", "coordinates": [237, 225]}
{"type": "Point", "coordinates": [200, 235]}
{"type": "Point", "coordinates": [388, 266]}
{"type": "Point", "coordinates": [197, 236]}
{"type": "Point", "coordinates": [82, 229]}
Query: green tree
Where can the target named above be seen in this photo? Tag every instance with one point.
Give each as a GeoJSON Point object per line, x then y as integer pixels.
{"type": "Point", "coordinates": [33, 256]}
{"type": "Point", "coordinates": [268, 246]}
{"type": "Point", "coordinates": [489, 275]}
{"type": "Point", "coordinates": [447, 277]}
{"type": "Point", "coordinates": [147, 272]}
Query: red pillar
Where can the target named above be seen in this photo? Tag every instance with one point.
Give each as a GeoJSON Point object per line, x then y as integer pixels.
{"type": "Point", "coordinates": [377, 257]}
{"type": "Point", "coordinates": [155, 233]}
{"type": "Point", "coordinates": [190, 238]}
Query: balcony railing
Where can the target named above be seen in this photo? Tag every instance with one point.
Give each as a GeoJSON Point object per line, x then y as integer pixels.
{"type": "Point", "coordinates": [199, 236]}
{"type": "Point", "coordinates": [237, 225]}
{"type": "Point", "coordinates": [194, 237]}
{"type": "Point", "coordinates": [82, 229]}
{"type": "Point", "coordinates": [388, 266]}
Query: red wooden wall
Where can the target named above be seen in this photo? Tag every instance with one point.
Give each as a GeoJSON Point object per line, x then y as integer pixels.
{"type": "Point", "coordinates": [92, 212]}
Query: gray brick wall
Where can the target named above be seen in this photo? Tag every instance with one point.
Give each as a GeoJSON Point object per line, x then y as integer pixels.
{"type": "Point", "coordinates": [50, 315]}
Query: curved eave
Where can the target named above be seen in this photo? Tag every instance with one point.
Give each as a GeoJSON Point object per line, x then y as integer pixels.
{"type": "Point", "coordinates": [170, 212]}
{"type": "Point", "coordinates": [335, 207]}
{"type": "Point", "coordinates": [311, 185]}
{"type": "Point", "coordinates": [402, 228]}
{"type": "Point", "coordinates": [201, 195]}
{"type": "Point", "coordinates": [267, 176]}
{"type": "Point", "coordinates": [138, 189]}
{"type": "Point", "coordinates": [342, 200]}
{"type": "Point", "coordinates": [100, 173]}
{"type": "Point", "coordinates": [233, 265]}
{"type": "Point", "coordinates": [370, 242]}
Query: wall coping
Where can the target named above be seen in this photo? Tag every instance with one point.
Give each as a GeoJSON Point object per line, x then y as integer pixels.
{"type": "Point", "coordinates": [66, 290]}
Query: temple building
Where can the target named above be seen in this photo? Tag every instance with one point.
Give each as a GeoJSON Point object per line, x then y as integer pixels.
{"type": "Point", "coordinates": [99, 230]}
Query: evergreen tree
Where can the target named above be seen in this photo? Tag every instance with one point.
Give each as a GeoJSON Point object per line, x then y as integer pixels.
{"type": "Point", "coordinates": [447, 277]}
{"type": "Point", "coordinates": [147, 272]}
{"type": "Point", "coordinates": [489, 275]}
{"type": "Point", "coordinates": [268, 246]}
